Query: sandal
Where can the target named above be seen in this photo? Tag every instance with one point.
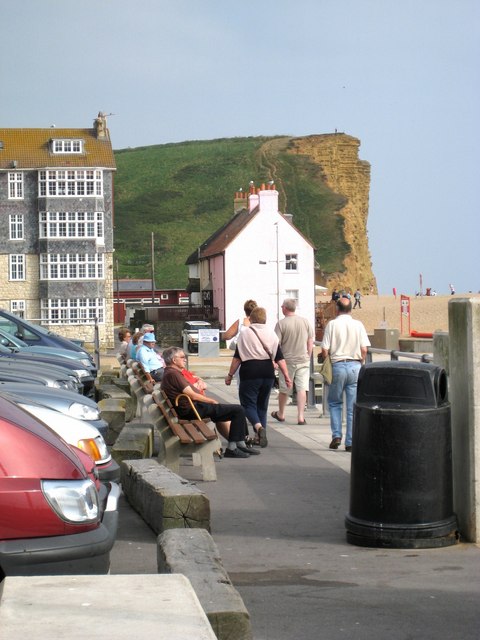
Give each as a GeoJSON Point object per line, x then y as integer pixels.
{"type": "Point", "coordinates": [275, 415]}
{"type": "Point", "coordinates": [262, 437]}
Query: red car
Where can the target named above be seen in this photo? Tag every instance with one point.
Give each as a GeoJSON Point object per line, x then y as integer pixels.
{"type": "Point", "coordinates": [55, 515]}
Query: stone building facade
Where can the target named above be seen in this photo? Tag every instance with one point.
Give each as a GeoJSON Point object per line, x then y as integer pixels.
{"type": "Point", "coordinates": [56, 228]}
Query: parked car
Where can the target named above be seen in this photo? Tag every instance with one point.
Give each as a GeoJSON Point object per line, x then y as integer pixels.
{"type": "Point", "coordinates": [67, 402]}
{"type": "Point", "coordinates": [18, 345]}
{"type": "Point", "coordinates": [85, 380]}
{"type": "Point", "coordinates": [75, 432]}
{"type": "Point", "coordinates": [35, 334]}
{"type": "Point", "coordinates": [55, 517]}
{"type": "Point", "coordinates": [190, 333]}
{"type": "Point", "coordinates": [38, 372]}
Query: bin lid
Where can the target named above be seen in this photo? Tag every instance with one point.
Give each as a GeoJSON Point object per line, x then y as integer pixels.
{"type": "Point", "coordinates": [402, 383]}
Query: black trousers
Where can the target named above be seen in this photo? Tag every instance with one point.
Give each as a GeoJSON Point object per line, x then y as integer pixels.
{"type": "Point", "coordinates": [232, 413]}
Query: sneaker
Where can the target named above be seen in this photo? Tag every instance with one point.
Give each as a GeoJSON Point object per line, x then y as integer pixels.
{"type": "Point", "coordinates": [335, 443]}
{"type": "Point", "coordinates": [235, 453]}
{"type": "Point", "coordinates": [250, 450]}
{"type": "Point", "coordinates": [348, 447]}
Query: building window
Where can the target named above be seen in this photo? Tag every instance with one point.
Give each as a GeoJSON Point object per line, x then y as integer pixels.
{"type": "Point", "coordinates": [71, 266]}
{"type": "Point", "coordinates": [67, 146]}
{"type": "Point", "coordinates": [293, 294]}
{"type": "Point", "coordinates": [17, 266]}
{"type": "Point", "coordinates": [73, 310]}
{"type": "Point", "coordinates": [16, 227]}
{"type": "Point", "coordinates": [15, 185]}
{"type": "Point", "coordinates": [71, 224]}
{"type": "Point", "coordinates": [18, 308]}
{"type": "Point", "coordinates": [291, 261]}
{"type": "Point", "coordinates": [79, 182]}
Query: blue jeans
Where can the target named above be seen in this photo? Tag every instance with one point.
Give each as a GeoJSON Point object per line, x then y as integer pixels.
{"type": "Point", "coordinates": [345, 376]}
{"type": "Point", "coordinates": [254, 396]}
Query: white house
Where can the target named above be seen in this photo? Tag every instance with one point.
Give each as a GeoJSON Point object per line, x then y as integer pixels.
{"type": "Point", "coordinates": [257, 254]}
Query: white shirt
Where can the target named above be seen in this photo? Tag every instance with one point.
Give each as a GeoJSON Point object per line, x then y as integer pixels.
{"type": "Point", "coordinates": [344, 337]}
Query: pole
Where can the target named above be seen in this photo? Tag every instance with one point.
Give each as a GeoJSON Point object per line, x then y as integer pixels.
{"type": "Point", "coordinates": [153, 272]}
{"type": "Point", "coordinates": [278, 277]}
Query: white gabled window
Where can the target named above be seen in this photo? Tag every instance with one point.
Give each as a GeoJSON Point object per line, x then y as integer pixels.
{"type": "Point", "coordinates": [67, 146]}
{"type": "Point", "coordinates": [16, 266]}
{"type": "Point", "coordinates": [291, 261]}
{"type": "Point", "coordinates": [71, 266]}
{"type": "Point", "coordinates": [15, 185]}
{"type": "Point", "coordinates": [71, 183]}
{"type": "Point", "coordinates": [15, 225]}
{"type": "Point", "coordinates": [18, 307]}
{"type": "Point", "coordinates": [73, 310]}
{"type": "Point", "coordinates": [71, 224]}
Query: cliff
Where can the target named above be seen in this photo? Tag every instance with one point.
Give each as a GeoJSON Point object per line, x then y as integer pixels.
{"type": "Point", "coordinates": [184, 192]}
{"type": "Point", "coordinates": [347, 175]}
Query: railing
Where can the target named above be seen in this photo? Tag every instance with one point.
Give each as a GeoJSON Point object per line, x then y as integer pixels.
{"type": "Point", "coordinates": [394, 355]}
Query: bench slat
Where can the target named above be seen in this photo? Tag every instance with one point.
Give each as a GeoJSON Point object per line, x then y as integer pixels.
{"type": "Point", "coordinates": [205, 430]}
{"type": "Point", "coordinates": [193, 432]}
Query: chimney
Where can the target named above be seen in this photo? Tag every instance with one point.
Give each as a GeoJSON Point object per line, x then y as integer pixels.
{"type": "Point", "coordinates": [100, 124]}
{"type": "Point", "coordinates": [268, 198]}
{"type": "Point", "coordinates": [252, 196]}
{"type": "Point", "coordinates": [240, 201]}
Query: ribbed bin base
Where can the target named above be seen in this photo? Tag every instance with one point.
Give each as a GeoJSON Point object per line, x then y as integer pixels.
{"type": "Point", "coordinates": [425, 536]}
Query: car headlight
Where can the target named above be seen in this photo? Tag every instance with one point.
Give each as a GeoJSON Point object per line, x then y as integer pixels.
{"type": "Point", "coordinates": [83, 411]}
{"type": "Point", "coordinates": [64, 384]}
{"type": "Point", "coordinates": [86, 362]}
{"type": "Point", "coordinates": [82, 373]}
{"type": "Point", "coordinates": [95, 448]}
{"type": "Point", "coordinates": [74, 501]}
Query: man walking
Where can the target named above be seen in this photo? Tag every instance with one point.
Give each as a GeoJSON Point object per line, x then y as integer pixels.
{"type": "Point", "coordinates": [346, 341]}
{"type": "Point", "coordinates": [296, 341]}
{"type": "Point", "coordinates": [358, 296]}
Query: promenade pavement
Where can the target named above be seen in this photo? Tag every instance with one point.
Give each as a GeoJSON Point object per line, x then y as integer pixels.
{"type": "Point", "coordinates": [278, 520]}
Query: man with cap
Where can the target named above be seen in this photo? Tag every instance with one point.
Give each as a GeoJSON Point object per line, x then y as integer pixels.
{"type": "Point", "coordinates": [151, 361]}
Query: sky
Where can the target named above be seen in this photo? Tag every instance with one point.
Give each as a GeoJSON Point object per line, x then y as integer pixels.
{"type": "Point", "coordinates": [402, 77]}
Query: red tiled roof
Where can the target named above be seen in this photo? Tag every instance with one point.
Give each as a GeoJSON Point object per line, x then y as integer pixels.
{"type": "Point", "coordinates": [30, 149]}
{"type": "Point", "coordinates": [219, 241]}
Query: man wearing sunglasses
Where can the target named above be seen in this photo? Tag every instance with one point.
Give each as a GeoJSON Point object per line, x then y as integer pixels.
{"type": "Point", "coordinates": [229, 418]}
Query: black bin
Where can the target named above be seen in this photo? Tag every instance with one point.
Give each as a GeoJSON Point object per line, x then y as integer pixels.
{"type": "Point", "coordinates": [401, 493]}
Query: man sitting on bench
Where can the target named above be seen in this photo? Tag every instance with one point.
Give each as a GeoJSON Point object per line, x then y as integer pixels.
{"type": "Point", "coordinates": [152, 363]}
{"type": "Point", "coordinates": [174, 384]}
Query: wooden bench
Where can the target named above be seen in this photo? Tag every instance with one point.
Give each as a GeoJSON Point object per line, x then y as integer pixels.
{"type": "Point", "coordinates": [138, 371]}
{"type": "Point", "coordinates": [183, 437]}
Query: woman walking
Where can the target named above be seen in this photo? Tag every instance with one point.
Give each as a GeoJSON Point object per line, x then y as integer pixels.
{"type": "Point", "coordinates": [258, 352]}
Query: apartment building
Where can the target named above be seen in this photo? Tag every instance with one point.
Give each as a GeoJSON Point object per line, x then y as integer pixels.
{"type": "Point", "coordinates": [56, 228]}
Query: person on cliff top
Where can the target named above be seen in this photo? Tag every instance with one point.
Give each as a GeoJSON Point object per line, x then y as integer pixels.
{"type": "Point", "coordinates": [358, 296]}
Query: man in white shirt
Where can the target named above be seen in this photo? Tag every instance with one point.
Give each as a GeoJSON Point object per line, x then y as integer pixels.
{"type": "Point", "coordinates": [346, 341]}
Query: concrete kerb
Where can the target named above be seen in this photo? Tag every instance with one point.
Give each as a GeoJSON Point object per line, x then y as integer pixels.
{"type": "Point", "coordinates": [162, 498]}
{"type": "Point", "coordinates": [193, 553]}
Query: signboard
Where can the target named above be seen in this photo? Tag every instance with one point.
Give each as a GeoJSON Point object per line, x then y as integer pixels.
{"type": "Point", "coordinates": [208, 335]}
{"type": "Point", "coordinates": [405, 313]}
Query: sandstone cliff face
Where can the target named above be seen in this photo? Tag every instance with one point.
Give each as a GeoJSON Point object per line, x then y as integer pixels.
{"type": "Point", "coordinates": [345, 174]}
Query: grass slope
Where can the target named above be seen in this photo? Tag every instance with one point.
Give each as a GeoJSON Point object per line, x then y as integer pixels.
{"type": "Point", "coordinates": [183, 192]}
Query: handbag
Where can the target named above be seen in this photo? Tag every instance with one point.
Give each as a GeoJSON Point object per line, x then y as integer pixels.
{"type": "Point", "coordinates": [325, 369]}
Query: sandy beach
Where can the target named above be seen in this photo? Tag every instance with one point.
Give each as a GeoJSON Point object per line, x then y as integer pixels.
{"type": "Point", "coordinates": [427, 313]}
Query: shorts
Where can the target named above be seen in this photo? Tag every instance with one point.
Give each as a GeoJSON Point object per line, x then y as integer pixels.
{"type": "Point", "coordinates": [299, 375]}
